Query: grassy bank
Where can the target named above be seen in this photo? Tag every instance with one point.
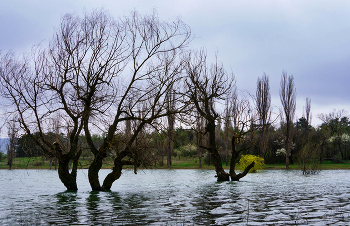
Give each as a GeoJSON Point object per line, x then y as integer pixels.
{"type": "Point", "coordinates": [177, 163]}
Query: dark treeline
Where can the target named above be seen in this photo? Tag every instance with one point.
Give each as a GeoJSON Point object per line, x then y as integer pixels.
{"type": "Point", "coordinates": [129, 90]}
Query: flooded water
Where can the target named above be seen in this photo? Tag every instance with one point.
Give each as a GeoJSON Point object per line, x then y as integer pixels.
{"type": "Point", "coordinates": [177, 197]}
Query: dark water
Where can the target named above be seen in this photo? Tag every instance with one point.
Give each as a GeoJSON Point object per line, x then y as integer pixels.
{"type": "Point", "coordinates": [177, 197]}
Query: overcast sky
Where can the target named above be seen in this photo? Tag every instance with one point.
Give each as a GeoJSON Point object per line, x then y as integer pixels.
{"type": "Point", "coordinates": [309, 39]}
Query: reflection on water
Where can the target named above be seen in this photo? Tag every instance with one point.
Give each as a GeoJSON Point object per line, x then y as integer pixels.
{"type": "Point", "coordinates": [177, 197]}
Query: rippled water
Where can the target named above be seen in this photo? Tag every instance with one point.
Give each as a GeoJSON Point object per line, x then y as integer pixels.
{"type": "Point", "coordinates": [177, 197]}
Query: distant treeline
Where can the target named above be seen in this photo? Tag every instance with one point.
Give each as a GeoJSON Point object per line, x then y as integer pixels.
{"type": "Point", "coordinates": [329, 141]}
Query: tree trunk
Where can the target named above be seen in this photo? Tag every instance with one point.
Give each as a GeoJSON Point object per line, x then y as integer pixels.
{"type": "Point", "coordinates": [162, 155]}
{"type": "Point", "coordinates": [243, 174]}
{"type": "Point", "coordinates": [112, 176]}
{"type": "Point", "coordinates": [220, 172]}
{"type": "Point", "coordinates": [287, 144]}
{"type": "Point", "coordinates": [68, 179]}
{"type": "Point", "coordinates": [226, 156]}
{"type": "Point", "coordinates": [209, 159]}
{"type": "Point", "coordinates": [94, 169]}
{"type": "Point", "coordinates": [117, 172]}
{"type": "Point", "coordinates": [234, 153]}
{"type": "Point", "coordinates": [287, 159]}
{"type": "Point", "coordinates": [169, 152]}
{"type": "Point", "coordinates": [338, 140]}
{"type": "Point", "coordinates": [170, 143]}
{"type": "Point", "coordinates": [233, 161]}
{"type": "Point", "coordinates": [199, 149]}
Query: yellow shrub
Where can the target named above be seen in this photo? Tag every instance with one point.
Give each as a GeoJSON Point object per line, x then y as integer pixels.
{"type": "Point", "coordinates": [247, 159]}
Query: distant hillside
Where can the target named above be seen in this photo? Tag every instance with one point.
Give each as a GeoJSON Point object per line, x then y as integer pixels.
{"type": "Point", "coordinates": [3, 143]}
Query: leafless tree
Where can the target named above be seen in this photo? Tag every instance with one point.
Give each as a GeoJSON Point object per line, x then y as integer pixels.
{"type": "Point", "coordinates": [97, 73]}
{"type": "Point", "coordinates": [204, 87]}
{"type": "Point", "coordinates": [207, 86]}
{"type": "Point", "coordinates": [263, 107]}
{"type": "Point", "coordinates": [288, 96]}
{"type": "Point", "coordinates": [243, 120]}
{"type": "Point", "coordinates": [26, 87]}
{"type": "Point", "coordinates": [308, 115]}
{"type": "Point", "coordinates": [171, 125]}
{"type": "Point", "coordinates": [154, 65]}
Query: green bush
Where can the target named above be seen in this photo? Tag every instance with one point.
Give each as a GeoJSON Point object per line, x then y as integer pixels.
{"type": "Point", "coordinates": [246, 160]}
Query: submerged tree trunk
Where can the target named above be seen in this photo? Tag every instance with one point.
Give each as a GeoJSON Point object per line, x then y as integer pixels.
{"type": "Point", "coordinates": [94, 169]}
{"type": "Point", "coordinates": [233, 175]}
{"type": "Point", "coordinates": [220, 172]}
{"type": "Point", "coordinates": [67, 176]}
{"type": "Point", "coordinates": [118, 163]}
{"type": "Point", "coordinates": [116, 173]}
{"type": "Point", "coordinates": [68, 179]}
{"type": "Point", "coordinates": [113, 176]}
{"type": "Point", "coordinates": [199, 143]}
{"type": "Point", "coordinates": [117, 169]}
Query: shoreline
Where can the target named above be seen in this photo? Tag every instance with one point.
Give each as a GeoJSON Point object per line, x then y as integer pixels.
{"type": "Point", "coordinates": [267, 167]}
{"type": "Point", "coordinates": [178, 163]}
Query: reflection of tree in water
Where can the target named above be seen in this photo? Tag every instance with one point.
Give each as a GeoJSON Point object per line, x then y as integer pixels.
{"type": "Point", "coordinates": [66, 209]}
{"type": "Point", "coordinates": [93, 202]}
{"type": "Point", "coordinates": [218, 203]}
{"type": "Point", "coordinates": [131, 209]}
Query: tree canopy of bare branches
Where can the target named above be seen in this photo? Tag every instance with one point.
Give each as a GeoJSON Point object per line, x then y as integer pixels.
{"type": "Point", "coordinates": [241, 114]}
{"type": "Point", "coordinates": [206, 85]}
{"type": "Point", "coordinates": [210, 85]}
{"type": "Point", "coordinates": [263, 107]}
{"type": "Point", "coordinates": [288, 96]}
{"type": "Point", "coordinates": [308, 114]}
{"type": "Point", "coordinates": [97, 73]}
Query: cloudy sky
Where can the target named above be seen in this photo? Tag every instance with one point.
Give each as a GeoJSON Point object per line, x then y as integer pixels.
{"type": "Point", "coordinates": [309, 39]}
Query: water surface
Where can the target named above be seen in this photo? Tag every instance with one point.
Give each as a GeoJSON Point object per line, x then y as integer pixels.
{"type": "Point", "coordinates": [177, 197]}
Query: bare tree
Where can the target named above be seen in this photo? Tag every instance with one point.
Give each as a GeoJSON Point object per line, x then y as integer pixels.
{"type": "Point", "coordinates": [26, 88]}
{"type": "Point", "coordinates": [171, 125]}
{"type": "Point", "coordinates": [308, 114]}
{"type": "Point", "coordinates": [96, 73]}
{"type": "Point", "coordinates": [309, 156]}
{"type": "Point", "coordinates": [330, 119]}
{"type": "Point", "coordinates": [263, 107]}
{"type": "Point", "coordinates": [154, 66]}
{"type": "Point", "coordinates": [288, 96]}
{"type": "Point", "coordinates": [205, 86]}
{"type": "Point", "coordinates": [243, 120]}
